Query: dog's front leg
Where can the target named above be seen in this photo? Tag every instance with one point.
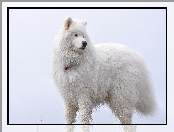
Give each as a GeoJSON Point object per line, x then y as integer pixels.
{"type": "Point", "coordinates": [85, 110]}
{"type": "Point", "coordinates": [129, 128]}
{"type": "Point", "coordinates": [70, 115]}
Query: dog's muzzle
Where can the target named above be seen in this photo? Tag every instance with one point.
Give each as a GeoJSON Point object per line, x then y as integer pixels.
{"type": "Point", "coordinates": [84, 44]}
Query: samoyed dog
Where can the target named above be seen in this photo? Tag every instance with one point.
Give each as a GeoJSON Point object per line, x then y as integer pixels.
{"type": "Point", "coordinates": [88, 76]}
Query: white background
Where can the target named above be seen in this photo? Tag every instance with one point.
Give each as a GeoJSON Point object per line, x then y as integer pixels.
{"type": "Point", "coordinates": [32, 91]}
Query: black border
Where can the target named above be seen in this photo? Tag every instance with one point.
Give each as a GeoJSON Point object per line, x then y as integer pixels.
{"type": "Point", "coordinates": [8, 8]}
{"type": "Point", "coordinates": [166, 65]}
{"type": "Point", "coordinates": [7, 66]}
{"type": "Point", "coordinates": [86, 8]}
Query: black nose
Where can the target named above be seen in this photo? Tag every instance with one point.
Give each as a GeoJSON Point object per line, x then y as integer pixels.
{"type": "Point", "coordinates": [84, 43]}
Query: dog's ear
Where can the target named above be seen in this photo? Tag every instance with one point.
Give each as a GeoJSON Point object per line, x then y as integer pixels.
{"type": "Point", "coordinates": [68, 22]}
{"type": "Point", "coordinates": [84, 22]}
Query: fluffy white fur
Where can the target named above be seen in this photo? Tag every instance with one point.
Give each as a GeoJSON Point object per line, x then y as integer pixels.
{"type": "Point", "coordinates": [104, 73]}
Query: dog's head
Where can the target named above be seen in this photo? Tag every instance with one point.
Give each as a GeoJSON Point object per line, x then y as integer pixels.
{"type": "Point", "coordinates": [77, 34]}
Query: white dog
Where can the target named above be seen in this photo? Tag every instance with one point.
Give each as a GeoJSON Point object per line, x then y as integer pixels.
{"type": "Point", "coordinates": [89, 75]}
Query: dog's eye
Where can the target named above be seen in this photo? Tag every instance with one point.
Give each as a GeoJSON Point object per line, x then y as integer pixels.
{"type": "Point", "coordinates": [83, 36]}
{"type": "Point", "coordinates": [76, 35]}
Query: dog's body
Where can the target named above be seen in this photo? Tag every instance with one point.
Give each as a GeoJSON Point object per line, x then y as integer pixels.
{"type": "Point", "coordinates": [89, 75]}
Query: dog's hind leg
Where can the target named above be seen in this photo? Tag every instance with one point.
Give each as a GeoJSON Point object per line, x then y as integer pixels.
{"type": "Point", "coordinates": [124, 114]}
{"type": "Point", "coordinates": [69, 128]}
{"type": "Point", "coordinates": [125, 117]}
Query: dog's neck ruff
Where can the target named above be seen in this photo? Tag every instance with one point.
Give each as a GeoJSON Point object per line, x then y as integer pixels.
{"type": "Point", "coordinates": [73, 63]}
{"type": "Point", "coordinates": [69, 66]}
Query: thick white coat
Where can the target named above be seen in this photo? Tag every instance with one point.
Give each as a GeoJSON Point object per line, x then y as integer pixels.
{"type": "Point", "coordinates": [104, 73]}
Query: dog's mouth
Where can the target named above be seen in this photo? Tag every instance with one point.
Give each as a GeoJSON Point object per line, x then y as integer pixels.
{"type": "Point", "coordinates": [80, 49]}
{"type": "Point", "coordinates": [83, 48]}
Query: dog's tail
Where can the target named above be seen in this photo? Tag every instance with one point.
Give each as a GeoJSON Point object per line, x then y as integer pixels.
{"type": "Point", "coordinates": [147, 103]}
